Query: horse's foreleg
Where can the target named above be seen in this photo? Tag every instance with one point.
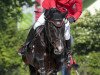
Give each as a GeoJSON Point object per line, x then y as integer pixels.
{"type": "Point", "coordinates": [33, 71]}
{"type": "Point", "coordinates": [42, 70]}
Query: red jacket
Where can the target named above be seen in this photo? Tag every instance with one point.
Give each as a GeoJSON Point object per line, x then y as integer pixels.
{"type": "Point", "coordinates": [74, 7]}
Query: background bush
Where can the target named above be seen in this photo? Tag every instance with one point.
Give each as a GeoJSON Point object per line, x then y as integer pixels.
{"type": "Point", "coordinates": [86, 33]}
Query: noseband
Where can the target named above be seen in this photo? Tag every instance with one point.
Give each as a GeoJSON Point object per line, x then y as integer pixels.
{"type": "Point", "coordinates": [57, 23]}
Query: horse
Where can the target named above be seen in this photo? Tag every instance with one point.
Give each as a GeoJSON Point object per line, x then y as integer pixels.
{"type": "Point", "coordinates": [47, 49]}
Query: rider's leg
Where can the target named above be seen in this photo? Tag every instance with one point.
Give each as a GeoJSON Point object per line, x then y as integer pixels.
{"type": "Point", "coordinates": [67, 36]}
{"type": "Point", "coordinates": [30, 35]}
{"type": "Point", "coordinates": [24, 48]}
{"type": "Point", "coordinates": [67, 41]}
{"type": "Point", "coordinates": [39, 22]}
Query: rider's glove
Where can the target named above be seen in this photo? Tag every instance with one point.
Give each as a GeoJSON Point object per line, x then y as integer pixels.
{"type": "Point", "coordinates": [71, 19]}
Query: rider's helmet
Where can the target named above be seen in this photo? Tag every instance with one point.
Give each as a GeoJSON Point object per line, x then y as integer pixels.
{"type": "Point", "coordinates": [63, 1]}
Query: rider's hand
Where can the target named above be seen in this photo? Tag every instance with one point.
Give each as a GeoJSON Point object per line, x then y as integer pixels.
{"type": "Point", "coordinates": [71, 19]}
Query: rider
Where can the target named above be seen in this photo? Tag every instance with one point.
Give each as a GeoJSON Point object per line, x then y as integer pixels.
{"type": "Point", "coordinates": [74, 8]}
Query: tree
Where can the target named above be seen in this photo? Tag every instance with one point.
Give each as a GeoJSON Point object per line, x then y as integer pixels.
{"type": "Point", "coordinates": [11, 9]}
{"type": "Point", "coordinates": [10, 37]}
{"type": "Point", "coordinates": [86, 33]}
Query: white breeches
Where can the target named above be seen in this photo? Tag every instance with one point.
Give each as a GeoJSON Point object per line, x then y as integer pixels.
{"type": "Point", "coordinates": [41, 21]}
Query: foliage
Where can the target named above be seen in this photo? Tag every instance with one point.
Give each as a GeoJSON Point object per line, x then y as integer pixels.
{"type": "Point", "coordinates": [86, 33]}
{"type": "Point", "coordinates": [10, 9]}
{"type": "Point", "coordinates": [10, 37]}
{"type": "Point", "coordinates": [10, 40]}
{"type": "Point", "coordinates": [26, 21]}
{"type": "Point", "coordinates": [89, 64]}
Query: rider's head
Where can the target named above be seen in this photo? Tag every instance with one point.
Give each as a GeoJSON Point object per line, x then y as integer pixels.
{"type": "Point", "coordinates": [63, 1]}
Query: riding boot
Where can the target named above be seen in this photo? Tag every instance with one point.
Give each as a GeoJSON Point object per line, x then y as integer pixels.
{"type": "Point", "coordinates": [67, 49]}
{"type": "Point", "coordinates": [68, 45]}
{"type": "Point", "coordinates": [25, 47]}
{"type": "Point", "coordinates": [30, 35]}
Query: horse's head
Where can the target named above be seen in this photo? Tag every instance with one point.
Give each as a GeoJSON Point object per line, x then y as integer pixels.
{"type": "Point", "coordinates": [55, 28]}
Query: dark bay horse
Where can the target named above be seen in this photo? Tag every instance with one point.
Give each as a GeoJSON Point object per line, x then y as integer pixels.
{"type": "Point", "coordinates": [46, 50]}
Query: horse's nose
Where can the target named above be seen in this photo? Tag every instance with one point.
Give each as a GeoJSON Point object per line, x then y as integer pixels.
{"type": "Point", "coordinates": [60, 48]}
{"type": "Point", "coordinates": [58, 51]}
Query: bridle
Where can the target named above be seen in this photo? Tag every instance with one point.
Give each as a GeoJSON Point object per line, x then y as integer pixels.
{"type": "Point", "coordinates": [56, 25]}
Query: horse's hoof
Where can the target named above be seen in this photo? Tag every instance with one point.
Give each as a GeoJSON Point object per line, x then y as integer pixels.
{"type": "Point", "coordinates": [42, 70]}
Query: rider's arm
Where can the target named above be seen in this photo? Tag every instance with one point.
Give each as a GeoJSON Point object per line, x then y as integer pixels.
{"type": "Point", "coordinates": [78, 4]}
{"type": "Point", "coordinates": [53, 3]}
{"type": "Point", "coordinates": [47, 4]}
